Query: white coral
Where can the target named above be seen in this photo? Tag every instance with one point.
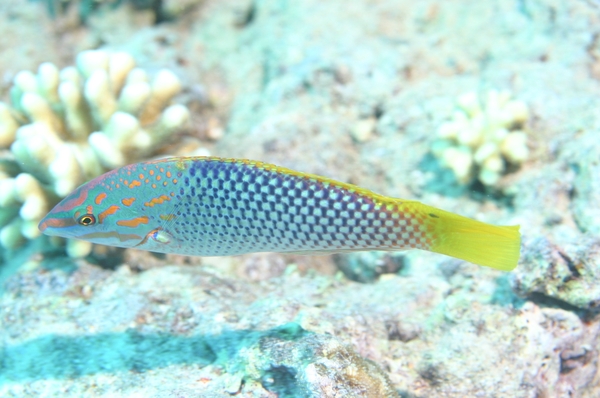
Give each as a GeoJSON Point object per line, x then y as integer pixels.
{"type": "Point", "coordinates": [481, 139]}
{"type": "Point", "coordinates": [66, 127]}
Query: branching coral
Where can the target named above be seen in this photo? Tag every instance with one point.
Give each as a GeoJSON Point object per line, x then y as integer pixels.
{"type": "Point", "coordinates": [65, 127]}
{"type": "Point", "coordinates": [481, 139]}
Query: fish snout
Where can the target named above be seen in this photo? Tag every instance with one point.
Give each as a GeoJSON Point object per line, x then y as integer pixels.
{"type": "Point", "coordinates": [51, 225]}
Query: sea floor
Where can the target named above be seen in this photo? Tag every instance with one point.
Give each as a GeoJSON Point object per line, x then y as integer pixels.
{"type": "Point", "coordinates": [354, 91]}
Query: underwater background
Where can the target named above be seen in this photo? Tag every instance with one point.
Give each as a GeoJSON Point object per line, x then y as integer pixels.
{"type": "Point", "coordinates": [489, 109]}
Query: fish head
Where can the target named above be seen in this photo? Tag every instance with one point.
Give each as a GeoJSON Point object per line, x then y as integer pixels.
{"type": "Point", "coordinates": [107, 210]}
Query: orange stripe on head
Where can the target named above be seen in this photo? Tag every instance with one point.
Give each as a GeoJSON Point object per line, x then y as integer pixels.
{"type": "Point", "coordinates": [158, 200]}
{"type": "Point", "coordinates": [134, 222]}
{"type": "Point", "coordinates": [73, 203]}
{"type": "Point", "coordinates": [128, 201]}
{"type": "Point", "coordinates": [57, 223]}
{"type": "Point", "coordinates": [135, 183]}
{"type": "Point", "coordinates": [101, 196]}
{"type": "Point", "coordinates": [111, 234]}
{"type": "Point", "coordinates": [111, 210]}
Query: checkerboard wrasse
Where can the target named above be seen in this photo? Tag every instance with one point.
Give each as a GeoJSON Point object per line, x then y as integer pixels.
{"type": "Point", "coordinates": [209, 206]}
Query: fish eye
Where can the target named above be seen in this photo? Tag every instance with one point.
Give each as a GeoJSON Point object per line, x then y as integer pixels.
{"type": "Point", "coordinates": [86, 220]}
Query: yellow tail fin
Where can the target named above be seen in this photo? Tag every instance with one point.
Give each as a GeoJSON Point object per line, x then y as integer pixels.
{"type": "Point", "coordinates": [474, 241]}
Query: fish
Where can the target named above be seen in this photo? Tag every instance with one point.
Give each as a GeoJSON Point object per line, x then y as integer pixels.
{"type": "Point", "coordinates": [210, 206]}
